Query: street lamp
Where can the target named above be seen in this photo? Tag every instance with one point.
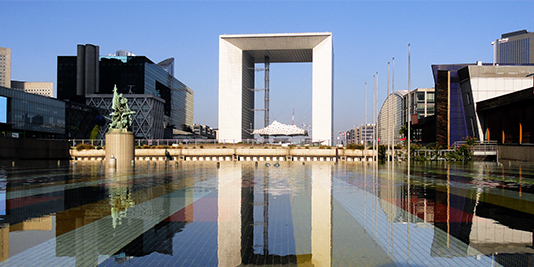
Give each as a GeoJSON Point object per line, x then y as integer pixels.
{"type": "Point", "coordinates": [493, 44]}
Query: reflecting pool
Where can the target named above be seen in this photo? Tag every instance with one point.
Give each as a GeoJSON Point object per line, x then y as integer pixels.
{"type": "Point", "coordinates": [246, 213]}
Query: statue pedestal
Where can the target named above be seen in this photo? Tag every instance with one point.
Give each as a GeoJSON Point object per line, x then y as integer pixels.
{"type": "Point", "coordinates": [120, 145]}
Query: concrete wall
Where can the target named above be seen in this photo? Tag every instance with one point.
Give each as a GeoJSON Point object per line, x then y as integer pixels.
{"type": "Point", "coordinates": [229, 152]}
{"type": "Point", "coordinates": [235, 98]}
{"type": "Point", "coordinates": [323, 92]}
{"type": "Point", "coordinates": [523, 153]}
{"type": "Point", "coordinates": [230, 91]}
{"type": "Point", "coordinates": [15, 148]}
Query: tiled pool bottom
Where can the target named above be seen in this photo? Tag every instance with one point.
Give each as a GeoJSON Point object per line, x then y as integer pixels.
{"type": "Point", "coordinates": [240, 213]}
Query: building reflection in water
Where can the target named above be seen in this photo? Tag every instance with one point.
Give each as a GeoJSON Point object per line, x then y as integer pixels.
{"type": "Point", "coordinates": [123, 218]}
{"type": "Point", "coordinates": [321, 204]}
{"type": "Point", "coordinates": [229, 214]}
{"type": "Point", "coordinates": [321, 214]}
{"type": "Point", "coordinates": [466, 221]}
{"type": "Point", "coordinates": [264, 219]}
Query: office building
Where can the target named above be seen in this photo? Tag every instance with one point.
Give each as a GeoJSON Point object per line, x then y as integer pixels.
{"type": "Point", "coordinates": [38, 88]}
{"type": "Point", "coordinates": [159, 99]}
{"type": "Point", "coordinates": [479, 83]}
{"type": "Point", "coordinates": [350, 136]}
{"type": "Point", "coordinates": [391, 117]}
{"type": "Point", "coordinates": [27, 115]}
{"type": "Point", "coordinates": [459, 87]}
{"type": "Point", "coordinates": [81, 120]}
{"type": "Point", "coordinates": [204, 131]}
{"type": "Point", "coordinates": [5, 67]}
{"type": "Point", "coordinates": [422, 102]}
{"type": "Point", "coordinates": [422, 105]}
{"type": "Point", "coordinates": [167, 65]}
{"type": "Point", "coordinates": [124, 53]}
{"type": "Point", "coordinates": [361, 134]}
{"type": "Point", "coordinates": [147, 122]}
{"type": "Point", "coordinates": [508, 118]}
{"type": "Point", "coordinates": [24, 115]}
{"type": "Point", "coordinates": [449, 122]}
{"type": "Point", "coordinates": [515, 48]}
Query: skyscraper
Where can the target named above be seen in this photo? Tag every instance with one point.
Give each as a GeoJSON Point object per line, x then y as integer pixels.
{"type": "Point", "coordinates": [5, 67]}
{"type": "Point", "coordinates": [515, 48]}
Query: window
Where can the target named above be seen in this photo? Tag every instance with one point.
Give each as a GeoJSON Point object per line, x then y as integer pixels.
{"type": "Point", "coordinates": [430, 97]}
{"type": "Point", "coordinates": [430, 110]}
{"type": "Point", "coordinates": [421, 109]}
{"type": "Point", "coordinates": [420, 97]}
{"type": "Point", "coordinates": [3, 109]}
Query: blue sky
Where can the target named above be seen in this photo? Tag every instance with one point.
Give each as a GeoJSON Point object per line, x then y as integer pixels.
{"type": "Point", "coordinates": [366, 36]}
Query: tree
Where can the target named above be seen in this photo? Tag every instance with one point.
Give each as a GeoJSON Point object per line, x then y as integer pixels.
{"type": "Point", "coordinates": [403, 130]}
{"type": "Point", "coordinates": [187, 128]}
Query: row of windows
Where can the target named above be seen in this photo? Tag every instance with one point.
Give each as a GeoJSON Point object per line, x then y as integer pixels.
{"type": "Point", "coordinates": [34, 113]}
{"type": "Point", "coordinates": [514, 52]}
{"type": "Point", "coordinates": [420, 97]}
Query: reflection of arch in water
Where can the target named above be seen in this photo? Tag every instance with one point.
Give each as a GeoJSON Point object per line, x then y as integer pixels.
{"type": "Point", "coordinates": [242, 198]}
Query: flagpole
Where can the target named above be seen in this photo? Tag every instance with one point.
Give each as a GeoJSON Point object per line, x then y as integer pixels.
{"type": "Point", "coordinates": [388, 121]}
{"type": "Point", "coordinates": [409, 104]}
{"type": "Point", "coordinates": [362, 135]}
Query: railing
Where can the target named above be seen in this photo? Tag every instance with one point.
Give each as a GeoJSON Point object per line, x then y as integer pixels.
{"type": "Point", "coordinates": [481, 147]}
{"type": "Point", "coordinates": [203, 142]}
{"type": "Point", "coordinates": [433, 154]}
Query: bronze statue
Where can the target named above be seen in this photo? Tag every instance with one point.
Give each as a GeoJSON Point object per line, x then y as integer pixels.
{"type": "Point", "coordinates": [121, 117]}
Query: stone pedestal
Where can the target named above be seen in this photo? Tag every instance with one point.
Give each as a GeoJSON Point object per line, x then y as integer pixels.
{"type": "Point", "coordinates": [120, 145]}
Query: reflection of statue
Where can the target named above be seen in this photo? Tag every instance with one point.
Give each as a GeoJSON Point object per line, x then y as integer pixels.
{"type": "Point", "coordinates": [120, 200]}
{"type": "Point", "coordinates": [121, 117]}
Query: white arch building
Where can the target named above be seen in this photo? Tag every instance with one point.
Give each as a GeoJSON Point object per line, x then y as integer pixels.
{"type": "Point", "coordinates": [237, 56]}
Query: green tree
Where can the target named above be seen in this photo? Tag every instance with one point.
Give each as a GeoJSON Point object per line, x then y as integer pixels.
{"type": "Point", "coordinates": [187, 128]}
{"type": "Point", "coordinates": [403, 130]}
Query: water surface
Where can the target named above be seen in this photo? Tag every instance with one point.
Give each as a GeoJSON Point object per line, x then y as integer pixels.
{"type": "Point", "coordinates": [242, 213]}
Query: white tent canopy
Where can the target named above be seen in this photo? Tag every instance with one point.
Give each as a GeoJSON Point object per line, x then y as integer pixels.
{"type": "Point", "coordinates": [279, 129]}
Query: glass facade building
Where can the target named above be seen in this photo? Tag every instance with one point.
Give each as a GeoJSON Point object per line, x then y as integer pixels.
{"type": "Point", "coordinates": [81, 120]}
{"type": "Point", "coordinates": [66, 79]}
{"type": "Point", "coordinates": [134, 75]}
{"type": "Point", "coordinates": [179, 99]}
{"type": "Point", "coordinates": [455, 107]}
{"type": "Point", "coordinates": [33, 115]}
{"type": "Point", "coordinates": [167, 65]}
